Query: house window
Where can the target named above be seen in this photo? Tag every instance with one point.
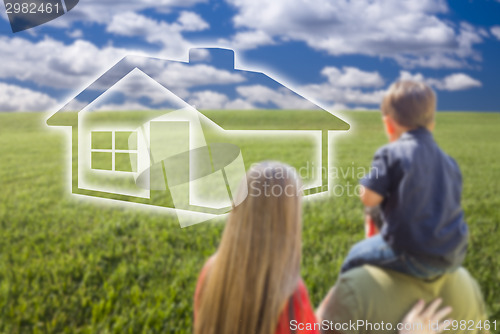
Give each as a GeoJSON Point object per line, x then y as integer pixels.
{"type": "Point", "coordinates": [114, 150]}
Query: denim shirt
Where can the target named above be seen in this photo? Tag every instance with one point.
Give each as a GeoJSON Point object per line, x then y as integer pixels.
{"type": "Point", "coordinates": [422, 188]}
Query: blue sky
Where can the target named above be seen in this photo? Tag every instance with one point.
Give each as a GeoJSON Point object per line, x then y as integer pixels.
{"type": "Point", "coordinates": [343, 54]}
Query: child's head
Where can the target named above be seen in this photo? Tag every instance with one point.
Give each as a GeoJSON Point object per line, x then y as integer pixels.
{"type": "Point", "coordinates": [410, 104]}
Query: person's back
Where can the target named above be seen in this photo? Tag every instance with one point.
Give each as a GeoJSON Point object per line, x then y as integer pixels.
{"type": "Point", "coordinates": [253, 284]}
{"type": "Point", "coordinates": [423, 213]}
{"type": "Point", "coordinates": [374, 296]}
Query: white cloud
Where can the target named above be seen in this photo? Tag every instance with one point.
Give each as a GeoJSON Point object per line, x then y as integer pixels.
{"type": "Point", "coordinates": [405, 75]}
{"type": "Point", "coordinates": [247, 40]}
{"type": "Point", "coordinates": [338, 107]}
{"type": "Point", "coordinates": [408, 31]}
{"type": "Point", "coordinates": [184, 75]}
{"type": "Point", "coordinates": [431, 61]}
{"type": "Point", "coordinates": [352, 77]}
{"type": "Point", "coordinates": [452, 82]}
{"type": "Point", "coordinates": [180, 77]}
{"type": "Point", "coordinates": [190, 21]}
{"type": "Point", "coordinates": [214, 100]}
{"type": "Point", "coordinates": [15, 98]}
{"type": "Point", "coordinates": [495, 31]}
{"type": "Point", "coordinates": [137, 88]}
{"type": "Point", "coordinates": [239, 104]}
{"type": "Point", "coordinates": [76, 34]}
{"type": "Point", "coordinates": [330, 94]}
{"type": "Point", "coordinates": [199, 55]}
{"type": "Point", "coordinates": [102, 12]}
{"type": "Point", "coordinates": [343, 86]}
{"type": "Point", "coordinates": [282, 97]}
{"type": "Point", "coordinates": [208, 100]}
{"type": "Point", "coordinates": [120, 18]}
{"type": "Point", "coordinates": [126, 106]}
{"type": "Point", "coordinates": [52, 63]}
{"type": "Point", "coordinates": [459, 81]}
{"type": "Point", "coordinates": [167, 35]}
{"type": "Point", "coordinates": [346, 86]}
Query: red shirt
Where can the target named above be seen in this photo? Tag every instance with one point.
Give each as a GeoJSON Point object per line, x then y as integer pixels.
{"type": "Point", "coordinates": [303, 311]}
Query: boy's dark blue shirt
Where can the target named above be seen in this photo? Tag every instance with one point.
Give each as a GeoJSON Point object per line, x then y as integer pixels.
{"type": "Point", "coordinates": [422, 188]}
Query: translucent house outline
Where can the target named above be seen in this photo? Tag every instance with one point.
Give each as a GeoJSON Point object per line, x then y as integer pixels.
{"type": "Point", "coordinates": [71, 116]}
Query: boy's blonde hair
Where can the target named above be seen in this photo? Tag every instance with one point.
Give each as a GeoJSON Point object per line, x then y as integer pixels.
{"type": "Point", "coordinates": [411, 104]}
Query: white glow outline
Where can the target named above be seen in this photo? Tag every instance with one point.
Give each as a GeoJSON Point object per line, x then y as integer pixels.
{"type": "Point", "coordinates": [239, 64]}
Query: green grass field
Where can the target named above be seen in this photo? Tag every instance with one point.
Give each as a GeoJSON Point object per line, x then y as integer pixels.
{"type": "Point", "coordinates": [73, 266]}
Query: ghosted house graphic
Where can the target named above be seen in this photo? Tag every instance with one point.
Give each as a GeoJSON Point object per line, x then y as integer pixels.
{"type": "Point", "coordinates": [179, 155]}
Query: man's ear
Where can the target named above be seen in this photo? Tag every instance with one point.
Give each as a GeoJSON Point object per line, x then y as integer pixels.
{"type": "Point", "coordinates": [370, 227]}
{"type": "Point", "coordinates": [390, 127]}
{"type": "Point", "coordinates": [432, 126]}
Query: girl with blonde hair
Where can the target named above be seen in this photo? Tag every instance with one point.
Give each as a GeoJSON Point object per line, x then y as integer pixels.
{"type": "Point", "coordinates": [255, 274]}
{"type": "Point", "coordinates": [252, 284]}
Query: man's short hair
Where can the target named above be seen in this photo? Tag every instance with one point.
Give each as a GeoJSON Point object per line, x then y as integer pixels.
{"type": "Point", "coordinates": [411, 104]}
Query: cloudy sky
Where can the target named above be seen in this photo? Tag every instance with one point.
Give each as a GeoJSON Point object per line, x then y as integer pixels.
{"type": "Point", "coordinates": [341, 53]}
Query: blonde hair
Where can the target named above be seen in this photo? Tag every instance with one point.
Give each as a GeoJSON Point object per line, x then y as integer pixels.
{"type": "Point", "coordinates": [411, 104]}
{"type": "Point", "coordinates": [257, 266]}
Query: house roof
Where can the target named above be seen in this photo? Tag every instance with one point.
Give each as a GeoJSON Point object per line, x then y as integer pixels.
{"type": "Point", "coordinates": [312, 117]}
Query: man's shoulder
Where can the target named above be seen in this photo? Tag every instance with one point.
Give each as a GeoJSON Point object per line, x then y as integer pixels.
{"type": "Point", "coordinates": [372, 273]}
{"type": "Point", "coordinates": [372, 287]}
{"type": "Point", "coordinates": [370, 277]}
{"type": "Point", "coordinates": [379, 295]}
{"type": "Point", "coordinates": [368, 284]}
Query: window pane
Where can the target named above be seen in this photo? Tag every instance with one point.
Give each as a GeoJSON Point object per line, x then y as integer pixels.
{"type": "Point", "coordinates": [126, 162]}
{"type": "Point", "coordinates": [102, 160]}
{"type": "Point", "coordinates": [126, 140]}
{"type": "Point", "coordinates": [101, 140]}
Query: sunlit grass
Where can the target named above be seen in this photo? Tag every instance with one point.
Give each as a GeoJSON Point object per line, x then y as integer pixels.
{"type": "Point", "coordinates": [73, 266]}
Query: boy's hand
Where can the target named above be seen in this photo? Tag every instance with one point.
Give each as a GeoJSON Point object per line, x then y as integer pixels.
{"type": "Point", "coordinates": [370, 198]}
